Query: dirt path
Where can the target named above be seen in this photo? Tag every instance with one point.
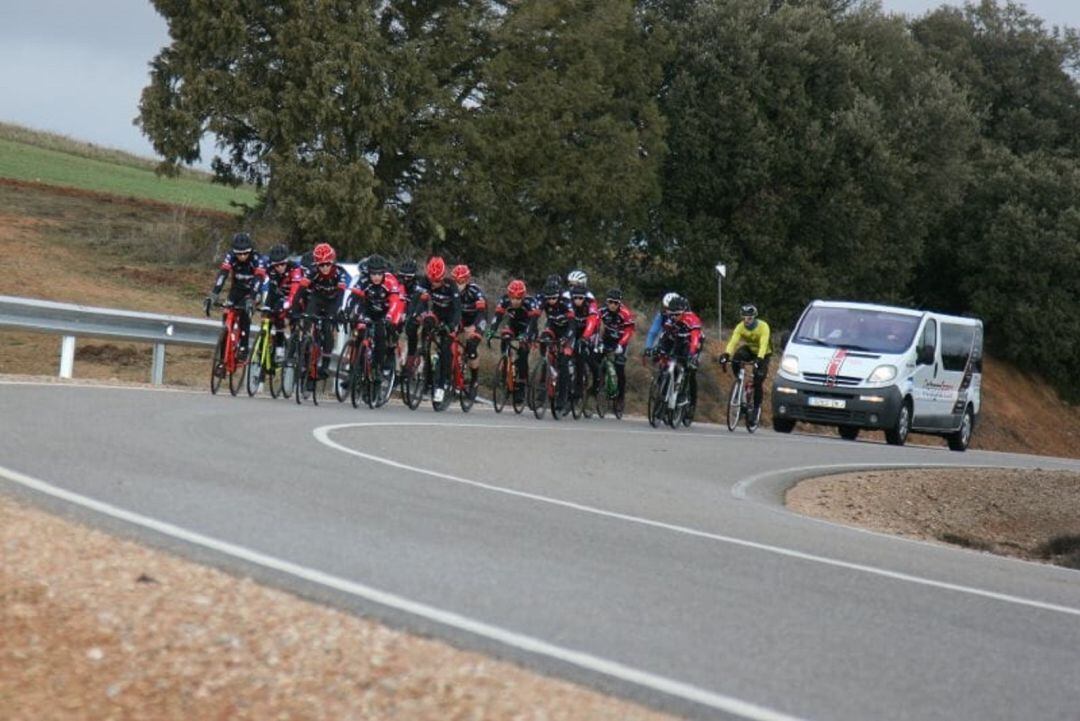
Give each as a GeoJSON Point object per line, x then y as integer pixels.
{"type": "Point", "coordinates": [97, 628]}
{"type": "Point", "coordinates": [1029, 514]}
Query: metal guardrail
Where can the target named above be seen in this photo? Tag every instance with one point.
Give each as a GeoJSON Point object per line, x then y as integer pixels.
{"type": "Point", "coordinates": [70, 321]}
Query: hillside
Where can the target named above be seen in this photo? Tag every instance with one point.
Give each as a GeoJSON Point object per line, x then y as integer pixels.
{"type": "Point", "coordinates": [85, 248]}
{"type": "Point", "coordinates": [33, 156]}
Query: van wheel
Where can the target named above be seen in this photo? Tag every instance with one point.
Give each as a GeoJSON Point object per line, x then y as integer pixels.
{"type": "Point", "coordinates": [897, 435]}
{"type": "Point", "coordinates": [783, 425]}
{"type": "Point", "coordinates": [960, 440]}
{"type": "Point", "coordinates": [848, 433]}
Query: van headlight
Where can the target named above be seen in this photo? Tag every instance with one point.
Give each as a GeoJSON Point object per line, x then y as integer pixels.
{"type": "Point", "coordinates": [790, 364]}
{"type": "Point", "coordinates": [882, 374]}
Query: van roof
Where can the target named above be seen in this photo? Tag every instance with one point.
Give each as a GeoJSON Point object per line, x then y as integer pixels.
{"type": "Point", "coordinates": [892, 309]}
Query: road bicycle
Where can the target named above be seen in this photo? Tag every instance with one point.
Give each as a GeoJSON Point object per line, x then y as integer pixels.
{"type": "Point", "coordinates": [226, 361]}
{"type": "Point", "coordinates": [417, 374]}
{"type": "Point", "coordinates": [740, 401]}
{"type": "Point", "coordinates": [262, 366]}
{"type": "Point", "coordinates": [582, 381]}
{"type": "Point", "coordinates": [308, 382]}
{"type": "Point", "coordinates": [346, 371]}
{"type": "Point", "coordinates": [505, 384]}
{"type": "Point", "coordinates": [464, 389]}
{"type": "Point", "coordinates": [608, 399]}
{"type": "Point", "coordinates": [551, 380]}
{"type": "Point", "coordinates": [369, 384]}
{"type": "Point", "coordinates": [668, 397]}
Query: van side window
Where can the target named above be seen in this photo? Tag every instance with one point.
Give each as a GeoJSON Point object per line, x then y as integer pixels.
{"type": "Point", "coordinates": [957, 345]}
{"type": "Point", "coordinates": [929, 336]}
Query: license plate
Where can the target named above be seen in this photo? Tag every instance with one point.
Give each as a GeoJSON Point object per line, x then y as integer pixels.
{"type": "Point", "coordinates": [827, 402]}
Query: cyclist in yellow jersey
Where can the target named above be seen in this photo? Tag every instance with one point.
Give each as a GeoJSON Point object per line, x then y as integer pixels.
{"type": "Point", "coordinates": [754, 333]}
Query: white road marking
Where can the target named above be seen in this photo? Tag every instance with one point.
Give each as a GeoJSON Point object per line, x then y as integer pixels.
{"type": "Point", "coordinates": [322, 434]}
{"type": "Point", "coordinates": [530, 644]}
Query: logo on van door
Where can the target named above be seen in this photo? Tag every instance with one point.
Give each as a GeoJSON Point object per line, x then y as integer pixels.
{"type": "Point", "coordinates": [835, 364]}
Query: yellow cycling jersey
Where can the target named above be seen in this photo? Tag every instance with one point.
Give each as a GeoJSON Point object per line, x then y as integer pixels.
{"type": "Point", "coordinates": [757, 340]}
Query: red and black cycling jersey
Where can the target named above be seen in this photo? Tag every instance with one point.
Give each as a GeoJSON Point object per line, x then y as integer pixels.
{"type": "Point", "coordinates": [322, 286]}
{"type": "Point", "coordinates": [559, 316]}
{"type": "Point", "coordinates": [685, 327]}
{"type": "Point", "coordinates": [473, 306]}
{"type": "Point", "coordinates": [587, 317]}
{"type": "Point", "coordinates": [282, 282]}
{"type": "Point", "coordinates": [444, 301]}
{"type": "Point", "coordinates": [380, 301]}
{"type": "Point", "coordinates": [521, 319]}
{"type": "Point", "coordinates": [247, 275]}
{"type": "Point", "coordinates": [616, 327]}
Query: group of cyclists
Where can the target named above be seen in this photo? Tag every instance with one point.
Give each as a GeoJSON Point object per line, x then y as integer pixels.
{"type": "Point", "coordinates": [448, 304]}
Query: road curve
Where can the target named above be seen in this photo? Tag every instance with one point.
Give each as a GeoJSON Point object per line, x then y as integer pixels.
{"type": "Point", "coordinates": [654, 564]}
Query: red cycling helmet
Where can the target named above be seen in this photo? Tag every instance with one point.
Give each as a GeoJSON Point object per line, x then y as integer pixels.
{"type": "Point", "coordinates": [461, 274]}
{"type": "Point", "coordinates": [436, 268]}
{"type": "Point", "coordinates": [324, 253]}
{"type": "Point", "coordinates": [516, 289]}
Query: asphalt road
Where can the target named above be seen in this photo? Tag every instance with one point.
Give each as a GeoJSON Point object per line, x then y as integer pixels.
{"type": "Point", "coordinates": [653, 564]}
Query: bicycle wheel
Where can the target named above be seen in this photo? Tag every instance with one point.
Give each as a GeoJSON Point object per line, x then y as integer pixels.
{"type": "Point", "coordinates": [467, 397]}
{"type": "Point", "coordinates": [236, 377]}
{"type": "Point", "coordinates": [575, 396]}
{"type": "Point", "coordinates": [305, 386]}
{"type": "Point", "coordinates": [343, 372]}
{"type": "Point", "coordinates": [217, 364]}
{"type": "Point", "coordinates": [287, 372]}
{"type": "Point", "coordinates": [499, 389]}
{"type": "Point", "coordinates": [254, 367]}
{"type": "Point", "coordinates": [519, 396]}
{"type": "Point", "coordinates": [753, 416]}
{"type": "Point", "coordinates": [673, 416]}
{"type": "Point", "coordinates": [386, 387]}
{"type": "Point", "coordinates": [318, 384]}
{"type": "Point", "coordinates": [271, 371]}
{"type": "Point", "coordinates": [585, 384]}
{"type": "Point", "coordinates": [537, 390]}
{"type": "Point", "coordinates": [415, 381]}
{"type": "Point", "coordinates": [617, 405]}
{"type": "Point", "coordinates": [657, 394]}
{"type": "Point", "coordinates": [690, 410]}
{"type": "Point", "coordinates": [734, 408]}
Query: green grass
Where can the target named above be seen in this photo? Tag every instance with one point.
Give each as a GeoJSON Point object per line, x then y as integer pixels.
{"type": "Point", "coordinates": [55, 160]}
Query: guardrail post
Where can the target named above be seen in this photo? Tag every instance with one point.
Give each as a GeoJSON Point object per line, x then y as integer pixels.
{"type": "Point", "coordinates": [67, 356]}
{"type": "Point", "coordinates": [157, 369]}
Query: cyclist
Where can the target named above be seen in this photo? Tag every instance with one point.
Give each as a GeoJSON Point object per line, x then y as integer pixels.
{"type": "Point", "coordinates": [580, 279]}
{"type": "Point", "coordinates": [754, 334]}
{"type": "Point", "coordinates": [586, 322]}
{"type": "Point", "coordinates": [682, 339]}
{"type": "Point", "coordinates": [473, 318]}
{"type": "Point", "coordinates": [437, 305]}
{"type": "Point", "coordinates": [376, 305]}
{"type": "Point", "coordinates": [658, 322]}
{"type": "Point", "coordinates": [559, 327]}
{"type": "Point", "coordinates": [616, 330]}
{"type": "Point", "coordinates": [323, 287]}
{"type": "Point", "coordinates": [520, 313]}
{"type": "Point", "coordinates": [282, 274]}
{"type": "Point", "coordinates": [248, 271]}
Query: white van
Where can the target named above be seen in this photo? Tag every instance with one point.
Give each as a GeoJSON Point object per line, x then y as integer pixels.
{"type": "Point", "coordinates": [856, 365]}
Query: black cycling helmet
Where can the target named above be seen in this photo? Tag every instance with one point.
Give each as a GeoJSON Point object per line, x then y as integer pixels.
{"type": "Point", "coordinates": [748, 310]}
{"type": "Point", "coordinates": [278, 254]}
{"type": "Point", "coordinates": [408, 269]}
{"type": "Point", "coordinates": [553, 280]}
{"type": "Point", "coordinates": [579, 291]}
{"type": "Point", "coordinates": [377, 264]}
{"type": "Point", "coordinates": [308, 259]}
{"type": "Point", "coordinates": [679, 305]}
{"type": "Point", "coordinates": [241, 243]}
{"type": "Point", "coordinates": [552, 290]}
{"type": "Point", "coordinates": [615, 294]}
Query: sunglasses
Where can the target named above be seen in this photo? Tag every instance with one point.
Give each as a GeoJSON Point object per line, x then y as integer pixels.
{"type": "Point", "coordinates": [324, 265]}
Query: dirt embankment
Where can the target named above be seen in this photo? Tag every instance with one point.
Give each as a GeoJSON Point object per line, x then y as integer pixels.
{"type": "Point", "coordinates": [1029, 514]}
{"type": "Point", "coordinates": [96, 628]}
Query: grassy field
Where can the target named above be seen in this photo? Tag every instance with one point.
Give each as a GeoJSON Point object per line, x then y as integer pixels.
{"type": "Point", "coordinates": [28, 155]}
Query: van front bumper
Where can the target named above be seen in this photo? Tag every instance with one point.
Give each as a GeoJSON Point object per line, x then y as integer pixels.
{"type": "Point", "coordinates": [813, 403]}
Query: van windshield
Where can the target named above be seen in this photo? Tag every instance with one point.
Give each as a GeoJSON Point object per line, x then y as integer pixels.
{"type": "Point", "coordinates": [857, 329]}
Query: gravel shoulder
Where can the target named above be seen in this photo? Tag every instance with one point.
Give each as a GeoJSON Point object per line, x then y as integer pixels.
{"type": "Point", "coordinates": [97, 627]}
{"type": "Point", "coordinates": [1029, 514]}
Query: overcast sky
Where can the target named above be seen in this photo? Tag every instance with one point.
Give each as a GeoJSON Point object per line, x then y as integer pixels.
{"type": "Point", "coordinates": [77, 66]}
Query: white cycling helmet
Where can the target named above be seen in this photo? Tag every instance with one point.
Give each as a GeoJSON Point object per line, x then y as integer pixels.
{"type": "Point", "coordinates": [668, 297]}
{"type": "Point", "coordinates": [577, 277]}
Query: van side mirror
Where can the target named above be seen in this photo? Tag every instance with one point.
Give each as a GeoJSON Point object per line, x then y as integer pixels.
{"type": "Point", "coordinates": [926, 355]}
